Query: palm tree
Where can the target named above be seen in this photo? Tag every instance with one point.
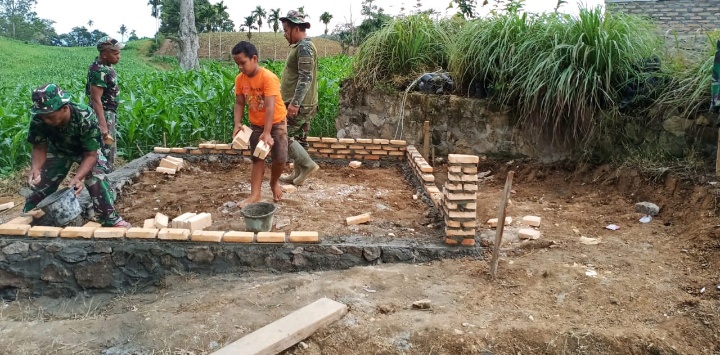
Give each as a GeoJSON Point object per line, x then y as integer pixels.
{"type": "Point", "coordinates": [122, 32]}
{"type": "Point", "coordinates": [260, 14]}
{"type": "Point", "coordinates": [90, 24]}
{"type": "Point", "coordinates": [301, 10]}
{"type": "Point", "coordinates": [325, 19]}
{"type": "Point", "coordinates": [249, 25]}
{"type": "Point", "coordinates": [274, 23]}
{"type": "Point", "coordinates": [155, 12]}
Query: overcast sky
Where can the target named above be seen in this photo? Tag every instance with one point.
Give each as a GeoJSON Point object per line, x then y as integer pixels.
{"type": "Point", "coordinates": [108, 15]}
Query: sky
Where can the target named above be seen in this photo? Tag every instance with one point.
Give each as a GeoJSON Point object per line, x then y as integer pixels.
{"type": "Point", "coordinates": [109, 15]}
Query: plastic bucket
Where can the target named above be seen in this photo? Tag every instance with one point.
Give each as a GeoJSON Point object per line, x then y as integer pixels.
{"type": "Point", "coordinates": [61, 206]}
{"type": "Point", "coordinates": [258, 216]}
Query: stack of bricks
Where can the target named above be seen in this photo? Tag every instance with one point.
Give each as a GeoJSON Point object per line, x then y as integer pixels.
{"type": "Point", "coordinates": [460, 200]}
{"type": "Point", "coordinates": [332, 148]}
{"type": "Point", "coordinates": [424, 172]}
{"type": "Point", "coordinates": [357, 149]}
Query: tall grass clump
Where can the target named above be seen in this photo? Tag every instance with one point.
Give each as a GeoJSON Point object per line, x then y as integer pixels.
{"type": "Point", "coordinates": [558, 71]}
{"type": "Point", "coordinates": [405, 46]}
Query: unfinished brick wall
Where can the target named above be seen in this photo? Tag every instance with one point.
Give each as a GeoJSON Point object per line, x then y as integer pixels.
{"type": "Point", "coordinates": [424, 172]}
{"type": "Point", "coordinates": [686, 17]}
{"type": "Point", "coordinates": [358, 149]}
{"type": "Point", "coordinates": [459, 201]}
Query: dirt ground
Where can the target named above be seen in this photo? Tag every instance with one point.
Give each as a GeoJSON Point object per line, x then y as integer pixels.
{"type": "Point", "coordinates": [322, 204]}
{"type": "Point", "coordinates": [645, 289]}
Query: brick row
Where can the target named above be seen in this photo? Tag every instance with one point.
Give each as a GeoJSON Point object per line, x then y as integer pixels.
{"type": "Point", "coordinates": [459, 201]}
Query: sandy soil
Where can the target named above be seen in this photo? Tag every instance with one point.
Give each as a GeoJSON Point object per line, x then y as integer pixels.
{"type": "Point", "coordinates": [645, 289]}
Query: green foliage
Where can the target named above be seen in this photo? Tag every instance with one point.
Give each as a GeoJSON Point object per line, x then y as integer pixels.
{"type": "Point", "coordinates": [187, 106]}
{"type": "Point", "coordinates": [407, 45]}
{"type": "Point", "coordinates": [208, 17]}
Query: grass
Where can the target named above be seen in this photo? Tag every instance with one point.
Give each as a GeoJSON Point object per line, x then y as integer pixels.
{"type": "Point", "coordinates": [185, 107]}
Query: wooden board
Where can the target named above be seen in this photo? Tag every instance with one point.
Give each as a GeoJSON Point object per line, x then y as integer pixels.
{"type": "Point", "coordinates": [287, 331]}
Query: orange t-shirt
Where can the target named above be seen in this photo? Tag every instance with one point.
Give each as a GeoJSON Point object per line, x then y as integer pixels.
{"type": "Point", "coordinates": [255, 89]}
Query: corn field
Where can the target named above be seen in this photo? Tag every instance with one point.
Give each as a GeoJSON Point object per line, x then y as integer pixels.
{"type": "Point", "coordinates": [183, 107]}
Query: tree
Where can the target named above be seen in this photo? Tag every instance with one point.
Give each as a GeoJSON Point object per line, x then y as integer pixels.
{"type": "Point", "coordinates": [155, 12]}
{"type": "Point", "coordinates": [301, 10]}
{"type": "Point", "coordinates": [325, 19]}
{"type": "Point", "coordinates": [207, 18]}
{"type": "Point", "coordinates": [133, 36]}
{"type": "Point", "coordinates": [188, 36]}
{"type": "Point", "coordinates": [15, 14]}
{"type": "Point", "coordinates": [122, 32]}
{"type": "Point", "coordinates": [466, 8]}
{"type": "Point", "coordinates": [274, 23]}
{"type": "Point", "coordinates": [260, 14]}
{"type": "Point", "coordinates": [90, 23]}
{"type": "Point", "coordinates": [249, 24]}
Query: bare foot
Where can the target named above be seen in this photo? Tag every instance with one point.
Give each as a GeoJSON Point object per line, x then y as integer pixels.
{"type": "Point", "coordinates": [247, 201]}
{"type": "Point", "coordinates": [277, 192]}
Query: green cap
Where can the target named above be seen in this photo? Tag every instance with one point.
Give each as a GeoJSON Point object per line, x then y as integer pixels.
{"type": "Point", "coordinates": [295, 17]}
{"type": "Point", "coordinates": [48, 98]}
{"type": "Point", "coordinates": [107, 42]}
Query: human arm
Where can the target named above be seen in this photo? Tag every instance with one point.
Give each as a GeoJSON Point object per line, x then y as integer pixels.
{"type": "Point", "coordinates": [96, 102]}
{"type": "Point", "coordinates": [39, 155]}
{"type": "Point", "coordinates": [87, 163]}
{"type": "Point", "coordinates": [238, 113]}
{"type": "Point", "coordinates": [269, 119]}
{"type": "Point", "coordinates": [306, 64]}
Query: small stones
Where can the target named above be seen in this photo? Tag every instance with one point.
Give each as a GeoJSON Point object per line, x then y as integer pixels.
{"type": "Point", "coordinates": [16, 248]}
{"type": "Point", "coordinates": [422, 304]}
{"type": "Point", "coordinates": [334, 250]}
{"type": "Point", "coordinates": [647, 208]}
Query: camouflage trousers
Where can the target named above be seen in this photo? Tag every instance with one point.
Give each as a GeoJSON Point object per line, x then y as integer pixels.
{"type": "Point", "coordinates": [54, 171]}
{"type": "Point", "coordinates": [299, 126]}
{"type": "Point", "coordinates": [109, 150]}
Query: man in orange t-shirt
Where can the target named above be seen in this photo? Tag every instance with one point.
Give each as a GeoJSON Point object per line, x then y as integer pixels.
{"type": "Point", "coordinates": [259, 89]}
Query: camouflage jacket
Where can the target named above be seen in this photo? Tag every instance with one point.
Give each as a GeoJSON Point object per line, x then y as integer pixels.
{"type": "Point", "coordinates": [299, 79]}
{"type": "Point", "coordinates": [82, 133]}
{"type": "Point", "coordinates": [715, 86]}
{"type": "Point", "coordinates": [105, 77]}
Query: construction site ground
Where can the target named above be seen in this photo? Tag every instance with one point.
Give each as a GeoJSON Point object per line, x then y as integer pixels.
{"type": "Point", "coordinates": [644, 289]}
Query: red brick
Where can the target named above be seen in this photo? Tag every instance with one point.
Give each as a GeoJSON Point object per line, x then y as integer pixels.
{"type": "Point", "coordinates": [461, 197]}
{"type": "Point", "coordinates": [165, 170]}
{"type": "Point", "coordinates": [180, 221]}
{"type": "Point", "coordinates": [463, 159]}
{"type": "Point", "coordinates": [141, 233]}
{"type": "Point", "coordinates": [389, 148]}
{"type": "Point", "coordinates": [359, 219]}
{"type": "Point", "coordinates": [338, 146]}
{"type": "Point", "coordinates": [397, 153]}
{"type": "Point", "coordinates": [169, 164]}
{"type": "Point", "coordinates": [178, 150]}
{"type": "Point", "coordinates": [196, 152]}
{"type": "Point", "coordinates": [450, 232]}
{"type": "Point", "coordinates": [206, 146]}
{"type": "Point", "coordinates": [303, 237]}
{"type": "Point", "coordinates": [344, 151]}
{"type": "Point", "coordinates": [468, 242]}
{"type": "Point", "coordinates": [109, 233]}
{"type": "Point", "coordinates": [529, 233]}
{"type": "Point", "coordinates": [238, 237]}
{"type": "Point", "coordinates": [161, 150]}
{"type": "Point", "coordinates": [470, 170]}
{"type": "Point", "coordinates": [338, 156]}
{"type": "Point", "coordinates": [327, 151]}
{"type": "Point", "coordinates": [313, 139]}
{"type": "Point", "coordinates": [428, 177]}
{"type": "Point", "coordinates": [362, 152]}
{"type": "Point", "coordinates": [199, 222]}
{"type": "Point", "coordinates": [270, 237]}
{"type": "Point", "coordinates": [44, 232]}
{"type": "Point", "coordinates": [14, 229]}
{"type": "Point", "coordinates": [161, 220]}
{"type": "Point", "coordinates": [363, 141]}
{"type": "Point", "coordinates": [373, 147]}
{"type": "Point", "coordinates": [328, 140]}
{"type": "Point", "coordinates": [461, 215]}
{"type": "Point", "coordinates": [174, 234]}
{"type": "Point", "coordinates": [223, 146]}
{"type": "Point", "coordinates": [346, 140]}
{"type": "Point", "coordinates": [381, 141]}
{"type": "Point", "coordinates": [371, 157]}
{"type": "Point", "coordinates": [355, 146]}
{"type": "Point", "coordinates": [320, 145]}
{"type": "Point", "coordinates": [533, 221]}
{"type": "Point", "coordinates": [425, 168]}
{"type": "Point", "coordinates": [20, 220]}
{"type": "Point", "coordinates": [207, 236]}
{"type": "Point", "coordinates": [398, 142]}
{"type": "Point", "coordinates": [77, 232]}
{"type": "Point", "coordinates": [379, 152]}
{"type": "Point", "coordinates": [450, 241]}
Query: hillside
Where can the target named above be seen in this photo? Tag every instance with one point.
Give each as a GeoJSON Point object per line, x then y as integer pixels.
{"type": "Point", "coordinates": [268, 44]}
{"type": "Point", "coordinates": [22, 63]}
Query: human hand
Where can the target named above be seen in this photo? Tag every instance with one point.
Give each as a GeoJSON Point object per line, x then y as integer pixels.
{"type": "Point", "coordinates": [292, 110]}
{"type": "Point", "coordinates": [34, 177]}
{"type": "Point", "coordinates": [267, 138]}
{"type": "Point", "coordinates": [77, 185]}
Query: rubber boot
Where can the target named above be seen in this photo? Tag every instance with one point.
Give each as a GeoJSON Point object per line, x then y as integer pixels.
{"type": "Point", "coordinates": [303, 163]}
{"type": "Point", "coordinates": [292, 154]}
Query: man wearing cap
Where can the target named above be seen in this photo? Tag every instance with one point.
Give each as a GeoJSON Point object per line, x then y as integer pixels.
{"type": "Point", "coordinates": [63, 133]}
{"type": "Point", "coordinates": [300, 93]}
{"type": "Point", "coordinates": [102, 89]}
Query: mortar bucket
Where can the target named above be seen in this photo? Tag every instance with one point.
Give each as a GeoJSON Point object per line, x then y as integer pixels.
{"type": "Point", "coordinates": [258, 216]}
{"type": "Point", "coordinates": [61, 206]}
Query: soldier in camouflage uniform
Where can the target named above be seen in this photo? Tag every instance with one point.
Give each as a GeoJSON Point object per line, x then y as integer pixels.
{"type": "Point", "coordinates": [63, 133]}
{"type": "Point", "coordinates": [300, 93]}
{"type": "Point", "coordinates": [715, 86]}
{"type": "Point", "coordinates": [102, 89]}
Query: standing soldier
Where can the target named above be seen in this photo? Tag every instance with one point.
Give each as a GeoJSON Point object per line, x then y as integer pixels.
{"type": "Point", "coordinates": [63, 133]}
{"type": "Point", "coordinates": [102, 89]}
{"type": "Point", "coordinates": [300, 94]}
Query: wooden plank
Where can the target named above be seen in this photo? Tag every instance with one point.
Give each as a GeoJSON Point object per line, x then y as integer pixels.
{"type": "Point", "coordinates": [501, 226]}
{"type": "Point", "coordinates": [287, 331]}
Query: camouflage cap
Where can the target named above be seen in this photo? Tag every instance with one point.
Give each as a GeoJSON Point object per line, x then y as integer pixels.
{"type": "Point", "coordinates": [48, 98]}
{"type": "Point", "coordinates": [107, 42]}
{"type": "Point", "coordinates": [295, 17]}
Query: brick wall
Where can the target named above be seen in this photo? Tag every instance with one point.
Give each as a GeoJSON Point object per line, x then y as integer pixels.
{"type": "Point", "coordinates": [686, 17]}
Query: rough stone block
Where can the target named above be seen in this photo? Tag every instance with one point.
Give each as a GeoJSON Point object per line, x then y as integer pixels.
{"type": "Point", "coordinates": [20, 220]}
{"type": "Point", "coordinates": [174, 234]}
{"type": "Point", "coordinates": [238, 237]}
{"type": "Point", "coordinates": [493, 222]}
{"type": "Point", "coordinates": [207, 236]}
{"type": "Point", "coordinates": [304, 237]}
{"type": "Point", "coordinates": [270, 237]}
{"type": "Point", "coordinates": [141, 233]}
{"type": "Point", "coordinates": [14, 229]}
{"type": "Point", "coordinates": [180, 221]}
{"type": "Point", "coordinates": [44, 232]}
{"type": "Point", "coordinates": [355, 164]}
{"type": "Point", "coordinates": [109, 233]}
{"type": "Point", "coordinates": [647, 208]}
{"type": "Point", "coordinates": [161, 150]}
{"type": "Point", "coordinates": [7, 206]}
{"type": "Point", "coordinates": [161, 221]}
{"type": "Point", "coordinates": [165, 170]}
{"type": "Point", "coordinates": [359, 219]}
{"type": "Point", "coordinates": [463, 159]}
{"type": "Point", "coordinates": [529, 233]}
{"type": "Point", "coordinates": [261, 150]}
{"type": "Point", "coordinates": [149, 223]}
{"type": "Point", "coordinates": [533, 221]}
{"type": "Point", "coordinates": [77, 232]}
{"type": "Point", "coordinates": [199, 222]}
